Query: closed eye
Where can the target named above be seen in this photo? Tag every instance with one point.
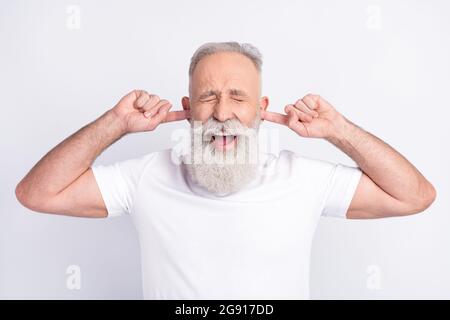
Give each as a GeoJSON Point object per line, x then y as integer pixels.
{"type": "Point", "coordinates": [209, 100]}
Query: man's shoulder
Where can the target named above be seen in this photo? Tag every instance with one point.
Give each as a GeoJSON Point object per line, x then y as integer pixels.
{"type": "Point", "coordinates": [158, 157]}
{"type": "Point", "coordinates": [299, 163]}
{"type": "Point", "coordinates": [292, 156]}
{"type": "Point", "coordinates": [141, 162]}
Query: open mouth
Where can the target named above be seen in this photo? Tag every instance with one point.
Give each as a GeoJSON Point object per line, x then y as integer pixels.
{"type": "Point", "coordinates": [223, 141]}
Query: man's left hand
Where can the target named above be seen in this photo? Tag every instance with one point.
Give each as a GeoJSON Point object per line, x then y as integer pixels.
{"type": "Point", "coordinates": [310, 117]}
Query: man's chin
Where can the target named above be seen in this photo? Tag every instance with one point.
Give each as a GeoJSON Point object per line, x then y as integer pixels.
{"type": "Point", "coordinates": [221, 179]}
{"type": "Point", "coordinates": [222, 171]}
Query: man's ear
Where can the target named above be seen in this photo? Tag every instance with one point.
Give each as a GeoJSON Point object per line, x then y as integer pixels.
{"type": "Point", "coordinates": [264, 103]}
{"type": "Point", "coordinates": [185, 103]}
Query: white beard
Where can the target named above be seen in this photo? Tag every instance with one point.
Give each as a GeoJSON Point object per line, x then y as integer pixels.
{"type": "Point", "coordinates": [222, 172]}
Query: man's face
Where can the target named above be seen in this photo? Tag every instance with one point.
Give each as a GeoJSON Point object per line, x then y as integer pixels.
{"type": "Point", "coordinates": [225, 86]}
{"type": "Point", "coordinates": [225, 98]}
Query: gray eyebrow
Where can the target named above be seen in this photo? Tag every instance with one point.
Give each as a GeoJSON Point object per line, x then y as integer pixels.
{"type": "Point", "coordinates": [209, 93]}
{"type": "Point", "coordinates": [233, 92]}
{"type": "Point", "coordinates": [237, 92]}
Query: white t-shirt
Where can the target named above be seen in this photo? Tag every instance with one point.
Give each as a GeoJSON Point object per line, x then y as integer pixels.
{"type": "Point", "coordinates": [253, 244]}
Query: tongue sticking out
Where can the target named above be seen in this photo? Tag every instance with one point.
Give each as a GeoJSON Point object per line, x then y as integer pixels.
{"type": "Point", "coordinates": [224, 142]}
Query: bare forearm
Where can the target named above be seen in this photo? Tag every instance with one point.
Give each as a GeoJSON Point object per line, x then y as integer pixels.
{"type": "Point", "coordinates": [72, 157]}
{"type": "Point", "coordinates": [391, 171]}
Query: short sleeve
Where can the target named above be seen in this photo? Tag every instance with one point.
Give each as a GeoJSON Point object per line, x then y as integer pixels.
{"type": "Point", "coordinates": [340, 190]}
{"type": "Point", "coordinates": [118, 183]}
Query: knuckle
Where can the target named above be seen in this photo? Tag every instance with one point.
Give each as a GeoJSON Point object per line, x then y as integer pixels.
{"type": "Point", "coordinates": [287, 108]}
{"type": "Point", "coordinates": [154, 97]}
{"type": "Point", "coordinates": [142, 95]}
{"type": "Point", "coordinates": [313, 97]}
{"type": "Point", "coordinates": [302, 104]}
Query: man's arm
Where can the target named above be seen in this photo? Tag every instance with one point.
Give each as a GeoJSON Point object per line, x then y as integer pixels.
{"type": "Point", "coordinates": [62, 182]}
{"type": "Point", "coordinates": [389, 186]}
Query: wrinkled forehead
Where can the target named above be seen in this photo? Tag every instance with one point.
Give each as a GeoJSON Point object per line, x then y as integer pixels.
{"type": "Point", "coordinates": [225, 71]}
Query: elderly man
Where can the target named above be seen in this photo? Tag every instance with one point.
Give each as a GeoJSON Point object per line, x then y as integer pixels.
{"type": "Point", "coordinates": [227, 220]}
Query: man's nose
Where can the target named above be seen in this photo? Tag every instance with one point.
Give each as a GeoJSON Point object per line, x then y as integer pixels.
{"type": "Point", "coordinates": [223, 112]}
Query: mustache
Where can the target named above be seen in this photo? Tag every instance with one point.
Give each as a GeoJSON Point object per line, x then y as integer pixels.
{"type": "Point", "coordinates": [213, 127]}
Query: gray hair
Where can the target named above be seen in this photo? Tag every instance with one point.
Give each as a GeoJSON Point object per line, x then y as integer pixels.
{"type": "Point", "coordinates": [210, 48]}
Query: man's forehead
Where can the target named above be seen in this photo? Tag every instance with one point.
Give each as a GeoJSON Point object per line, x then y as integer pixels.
{"type": "Point", "coordinates": [232, 74]}
{"type": "Point", "coordinates": [225, 61]}
{"type": "Point", "coordinates": [228, 82]}
{"type": "Point", "coordinates": [224, 76]}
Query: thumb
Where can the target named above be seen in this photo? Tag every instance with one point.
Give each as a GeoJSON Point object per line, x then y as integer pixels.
{"type": "Point", "coordinates": [295, 124]}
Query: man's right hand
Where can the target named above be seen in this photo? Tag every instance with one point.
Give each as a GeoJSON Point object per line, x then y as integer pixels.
{"type": "Point", "coordinates": [62, 182]}
{"type": "Point", "coordinates": [140, 111]}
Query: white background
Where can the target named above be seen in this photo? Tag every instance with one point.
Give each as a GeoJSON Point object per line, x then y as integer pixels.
{"type": "Point", "coordinates": [384, 64]}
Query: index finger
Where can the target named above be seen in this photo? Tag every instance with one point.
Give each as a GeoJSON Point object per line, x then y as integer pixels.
{"type": "Point", "coordinates": [177, 115]}
{"type": "Point", "coordinates": [274, 117]}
